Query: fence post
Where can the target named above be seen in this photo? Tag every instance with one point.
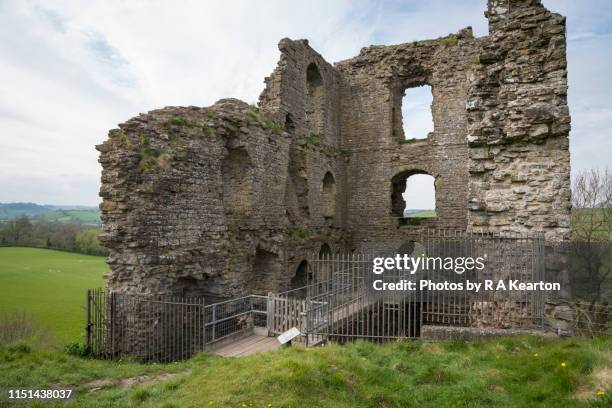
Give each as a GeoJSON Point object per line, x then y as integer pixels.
{"type": "Point", "coordinates": [214, 319]}
{"type": "Point", "coordinates": [305, 319]}
{"type": "Point", "coordinates": [203, 318]}
{"type": "Point", "coordinates": [270, 313]}
{"type": "Point", "coordinates": [111, 321]}
{"type": "Point", "coordinates": [88, 325]}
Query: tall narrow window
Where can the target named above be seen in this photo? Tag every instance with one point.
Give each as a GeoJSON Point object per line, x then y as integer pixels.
{"type": "Point", "coordinates": [300, 279]}
{"type": "Point", "coordinates": [238, 183]}
{"type": "Point", "coordinates": [413, 195]}
{"type": "Point", "coordinates": [315, 100]}
{"type": "Point", "coordinates": [324, 251]}
{"type": "Point", "coordinates": [417, 120]}
{"type": "Point", "coordinates": [328, 195]}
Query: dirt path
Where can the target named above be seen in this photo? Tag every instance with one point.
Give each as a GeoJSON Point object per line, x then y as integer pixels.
{"type": "Point", "coordinates": [97, 385]}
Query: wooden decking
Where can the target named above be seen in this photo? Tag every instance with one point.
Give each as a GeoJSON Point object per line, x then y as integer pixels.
{"type": "Point", "coordinates": [248, 345]}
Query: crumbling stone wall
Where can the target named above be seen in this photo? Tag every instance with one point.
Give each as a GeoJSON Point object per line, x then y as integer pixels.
{"type": "Point", "coordinates": [518, 123]}
{"type": "Point", "coordinates": [230, 199]}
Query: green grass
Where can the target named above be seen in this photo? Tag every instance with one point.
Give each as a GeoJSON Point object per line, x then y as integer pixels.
{"type": "Point", "coordinates": [507, 372]}
{"type": "Point", "coordinates": [50, 286]}
{"type": "Point", "coordinates": [79, 216]}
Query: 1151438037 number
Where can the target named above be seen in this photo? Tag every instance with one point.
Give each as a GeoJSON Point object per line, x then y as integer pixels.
{"type": "Point", "coordinates": [39, 394]}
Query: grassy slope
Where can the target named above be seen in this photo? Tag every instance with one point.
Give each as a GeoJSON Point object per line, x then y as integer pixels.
{"type": "Point", "coordinates": [82, 216]}
{"type": "Point", "coordinates": [422, 214]}
{"type": "Point", "coordinates": [50, 285]}
{"type": "Point", "coordinates": [493, 373]}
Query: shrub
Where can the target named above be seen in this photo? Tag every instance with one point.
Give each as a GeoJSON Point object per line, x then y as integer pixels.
{"type": "Point", "coordinates": [182, 121]}
{"type": "Point", "coordinates": [450, 40]}
{"type": "Point", "coordinates": [263, 120]}
{"type": "Point", "coordinates": [76, 349]}
{"type": "Point", "coordinates": [17, 329]}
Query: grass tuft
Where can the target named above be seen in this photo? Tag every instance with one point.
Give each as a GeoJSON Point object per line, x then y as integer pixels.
{"type": "Point", "coordinates": [182, 121]}
{"type": "Point", "coordinates": [264, 120]}
{"type": "Point", "coordinates": [450, 40]}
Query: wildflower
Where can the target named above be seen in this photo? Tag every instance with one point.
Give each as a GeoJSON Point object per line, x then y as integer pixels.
{"type": "Point", "coordinates": [536, 355]}
{"type": "Point", "coordinates": [563, 365]}
{"type": "Point", "coordinates": [210, 402]}
{"type": "Point", "coordinates": [600, 393]}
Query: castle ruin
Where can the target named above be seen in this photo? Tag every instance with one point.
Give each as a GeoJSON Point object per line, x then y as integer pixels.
{"type": "Point", "coordinates": [231, 199]}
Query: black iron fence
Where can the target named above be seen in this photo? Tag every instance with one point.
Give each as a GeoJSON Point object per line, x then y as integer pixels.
{"type": "Point", "coordinates": [166, 328]}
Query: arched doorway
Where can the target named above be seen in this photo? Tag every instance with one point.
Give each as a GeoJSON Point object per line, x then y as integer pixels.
{"type": "Point", "coordinates": [413, 195]}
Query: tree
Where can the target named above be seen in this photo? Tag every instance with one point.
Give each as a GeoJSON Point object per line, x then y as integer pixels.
{"type": "Point", "coordinates": [87, 242]}
{"type": "Point", "coordinates": [591, 232]}
{"type": "Point", "coordinates": [592, 205]}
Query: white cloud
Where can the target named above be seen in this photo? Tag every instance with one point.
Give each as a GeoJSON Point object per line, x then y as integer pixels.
{"type": "Point", "coordinates": [72, 70]}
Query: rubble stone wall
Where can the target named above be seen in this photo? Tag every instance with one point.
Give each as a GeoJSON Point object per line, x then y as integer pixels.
{"type": "Point", "coordinates": [230, 199]}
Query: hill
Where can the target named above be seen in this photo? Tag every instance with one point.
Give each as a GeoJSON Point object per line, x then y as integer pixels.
{"type": "Point", "coordinates": [419, 213]}
{"type": "Point", "coordinates": [54, 213]}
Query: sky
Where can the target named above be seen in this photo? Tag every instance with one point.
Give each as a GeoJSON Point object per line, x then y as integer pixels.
{"type": "Point", "coordinates": [72, 70]}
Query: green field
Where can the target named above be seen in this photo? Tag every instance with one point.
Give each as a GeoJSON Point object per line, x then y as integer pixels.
{"type": "Point", "coordinates": [77, 216]}
{"type": "Point", "coordinates": [50, 286]}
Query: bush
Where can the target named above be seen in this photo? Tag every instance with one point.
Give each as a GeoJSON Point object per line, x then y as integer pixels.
{"type": "Point", "coordinates": [19, 328]}
{"type": "Point", "coordinates": [76, 349]}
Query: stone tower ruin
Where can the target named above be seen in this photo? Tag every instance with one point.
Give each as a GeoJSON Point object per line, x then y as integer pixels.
{"type": "Point", "coordinates": [230, 199]}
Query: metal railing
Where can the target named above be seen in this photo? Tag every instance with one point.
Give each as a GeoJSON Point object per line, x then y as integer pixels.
{"type": "Point", "coordinates": [344, 283]}
{"type": "Point", "coordinates": [166, 328]}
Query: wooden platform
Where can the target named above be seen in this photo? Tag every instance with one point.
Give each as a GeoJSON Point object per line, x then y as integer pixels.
{"type": "Point", "coordinates": [248, 345]}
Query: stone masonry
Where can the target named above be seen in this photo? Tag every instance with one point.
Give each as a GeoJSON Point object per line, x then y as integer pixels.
{"type": "Point", "coordinates": [231, 199]}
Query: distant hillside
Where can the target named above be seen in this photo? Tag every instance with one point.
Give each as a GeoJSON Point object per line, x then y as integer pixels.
{"type": "Point", "coordinates": [419, 213]}
{"type": "Point", "coordinates": [53, 213]}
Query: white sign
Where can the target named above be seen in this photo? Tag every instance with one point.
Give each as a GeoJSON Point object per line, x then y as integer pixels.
{"type": "Point", "coordinates": [288, 335]}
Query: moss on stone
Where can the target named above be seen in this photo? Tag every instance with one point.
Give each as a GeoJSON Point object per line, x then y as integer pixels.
{"type": "Point", "coordinates": [450, 40]}
{"type": "Point", "coordinates": [313, 139]}
{"type": "Point", "coordinates": [264, 120]}
{"type": "Point", "coordinates": [298, 233]}
{"type": "Point", "coordinates": [182, 121]}
{"type": "Point", "coordinates": [119, 135]}
{"type": "Point", "coordinates": [151, 158]}
{"type": "Point", "coordinates": [208, 131]}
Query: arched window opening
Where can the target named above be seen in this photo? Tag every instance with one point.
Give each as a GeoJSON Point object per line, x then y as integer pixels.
{"type": "Point", "coordinates": [412, 248]}
{"type": "Point", "coordinates": [325, 251]}
{"type": "Point", "coordinates": [413, 195]}
{"type": "Point", "coordinates": [189, 286]}
{"type": "Point", "coordinates": [328, 195]}
{"type": "Point", "coordinates": [289, 124]}
{"type": "Point", "coordinates": [315, 101]}
{"type": "Point", "coordinates": [299, 280]}
{"type": "Point", "coordinates": [416, 120]}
